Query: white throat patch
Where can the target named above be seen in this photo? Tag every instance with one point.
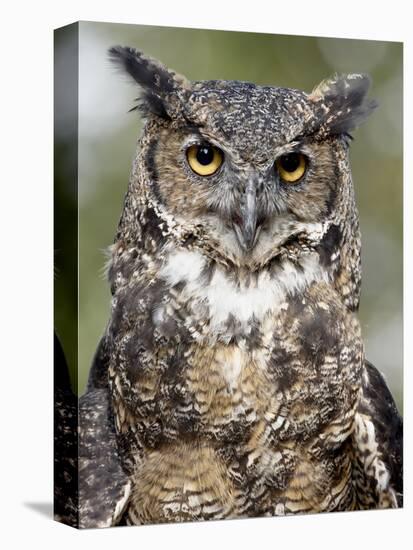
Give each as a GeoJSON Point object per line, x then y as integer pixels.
{"type": "Point", "coordinates": [224, 297]}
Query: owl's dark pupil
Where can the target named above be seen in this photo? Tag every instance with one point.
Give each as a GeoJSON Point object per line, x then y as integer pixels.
{"type": "Point", "coordinates": [290, 162]}
{"type": "Point", "coordinates": [205, 155]}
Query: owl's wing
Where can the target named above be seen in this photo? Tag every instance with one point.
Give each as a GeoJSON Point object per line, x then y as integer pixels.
{"type": "Point", "coordinates": [378, 443]}
{"type": "Point", "coordinates": [103, 485]}
{"type": "Point", "coordinates": [90, 486]}
{"type": "Point", "coordinates": [98, 374]}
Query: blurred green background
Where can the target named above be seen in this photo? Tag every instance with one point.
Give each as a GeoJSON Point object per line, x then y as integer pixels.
{"type": "Point", "coordinates": [107, 143]}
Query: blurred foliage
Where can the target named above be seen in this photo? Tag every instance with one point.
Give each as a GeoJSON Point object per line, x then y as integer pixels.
{"type": "Point", "coordinates": [66, 67]}
{"type": "Point", "coordinates": [107, 142]}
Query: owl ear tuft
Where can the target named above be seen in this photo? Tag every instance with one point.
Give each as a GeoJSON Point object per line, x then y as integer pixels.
{"type": "Point", "coordinates": [342, 102]}
{"type": "Point", "coordinates": [160, 87]}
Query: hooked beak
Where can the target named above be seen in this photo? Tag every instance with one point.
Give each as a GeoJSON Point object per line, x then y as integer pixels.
{"type": "Point", "coordinates": [246, 229]}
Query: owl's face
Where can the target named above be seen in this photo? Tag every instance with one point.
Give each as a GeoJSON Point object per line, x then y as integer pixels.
{"type": "Point", "coordinates": [254, 167]}
{"type": "Point", "coordinates": [246, 202]}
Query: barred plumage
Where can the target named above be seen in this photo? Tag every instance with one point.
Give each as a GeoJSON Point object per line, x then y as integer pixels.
{"type": "Point", "coordinates": [233, 364]}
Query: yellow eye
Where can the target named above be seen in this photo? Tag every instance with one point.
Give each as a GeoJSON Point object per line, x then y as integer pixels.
{"type": "Point", "coordinates": [291, 167]}
{"type": "Point", "coordinates": [204, 159]}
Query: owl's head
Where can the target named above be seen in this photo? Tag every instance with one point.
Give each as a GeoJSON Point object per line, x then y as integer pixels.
{"type": "Point", "coordinates": [247, 170]}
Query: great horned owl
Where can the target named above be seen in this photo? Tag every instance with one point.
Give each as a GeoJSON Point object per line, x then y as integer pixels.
{"type": "Point", "coordinates": [231, 380]}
